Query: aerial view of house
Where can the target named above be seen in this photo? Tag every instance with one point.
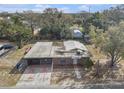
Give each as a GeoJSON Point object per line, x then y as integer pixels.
{"type": "Point", "coordinates": [70, 53]}
{"type": "Point", "coordinates": [62, 46]}
{"type": "Point", "coordinates": [47, 53]}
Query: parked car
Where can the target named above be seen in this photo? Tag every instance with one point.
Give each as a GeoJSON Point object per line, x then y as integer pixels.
{"type": "Point", "coordinates": [1, 47]}
{"type": "Point", "coordinates": [6, 46]}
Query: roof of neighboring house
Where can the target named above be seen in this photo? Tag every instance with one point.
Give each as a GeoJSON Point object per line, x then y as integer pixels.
{"type": "Point", "coordinates": [77, 33]}
{"type": "Point", "coordinates": [36, 31]}
{"type": "Point", "coordinates": [48, 50]}
{"type": "Point", "coordinates": [1, 18]}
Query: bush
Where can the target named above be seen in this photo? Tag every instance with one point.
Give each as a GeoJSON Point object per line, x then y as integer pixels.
{"type": "Point", "coordinates": [87, 63]}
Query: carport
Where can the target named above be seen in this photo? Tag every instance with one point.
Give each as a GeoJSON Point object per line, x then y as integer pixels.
{"type": "Point", "coordinates": [38, 71]}
{"type": "Point", "coordinates": [39, 61]}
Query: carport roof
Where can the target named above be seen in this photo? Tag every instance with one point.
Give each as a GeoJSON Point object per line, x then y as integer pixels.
{"type": "Point", "coordinates": [40, 50]}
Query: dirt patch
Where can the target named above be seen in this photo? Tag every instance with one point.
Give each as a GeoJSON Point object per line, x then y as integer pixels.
{"type": "Point", "coordinates": [7, 64]}
{"type": "Point", "coordinates": [66, 76]}
{"type": "Point", "coordinates": [96, 53]}
{"type": "Point", "coordinates": [19, 53]}
{"type": "Point", "coordinates": [6, 78]}
{"type": "Point", "coordinates": [13, 57]}
{"type": "Point", "coordinates": [62, 76]}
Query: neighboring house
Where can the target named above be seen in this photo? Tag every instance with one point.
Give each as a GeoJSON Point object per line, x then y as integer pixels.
{"type": "Point", "coordinates": [76, 31]}
{"type": "Point", "coordinates": [8, 17]}
{"type": "Point", "coordinates": [77, 34]}
{"type": "Point", "coordinates": [1, 18]}
{"type": "Point", "coordinates": [71, 52]}
{"type": "Point", "coordinates": [36, 31]}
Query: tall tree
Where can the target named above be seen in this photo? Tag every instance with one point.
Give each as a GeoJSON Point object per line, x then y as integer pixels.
{"type": "Point", "coordinates": [32, 19]}
{"type": "Point", "coordinates": [55, 23]}
{"type": "Point", "coordinates": [85, 16]}
{"type": "Point", "coordinates": [114, 45]}
{"type": "Point", "coordinates": [4, 25]}
{"type": "Point", "coordinates": [18, 31]}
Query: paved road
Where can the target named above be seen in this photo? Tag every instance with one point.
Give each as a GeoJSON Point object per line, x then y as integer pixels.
{"type": "Point", "coordinates": [35, 75]}
{"type": "Point", "coordinates": [86, 86]}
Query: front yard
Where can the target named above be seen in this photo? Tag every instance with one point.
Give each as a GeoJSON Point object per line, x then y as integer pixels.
{"type": "Point", "coordinates": [8, 79]}
{"type": "Point", "coordinates": [65, 76]}
{"type": "Point", "coordinates": [7, 63]}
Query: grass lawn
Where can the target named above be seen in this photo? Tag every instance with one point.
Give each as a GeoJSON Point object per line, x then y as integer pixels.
{"type": "Point", "coordinates": [66, 76]}
{"type": "Point", "coordinates": [96, 53]}
{"type": "Point", "coordinates": [19, 53]}
{"type": "Point", "coordinates": [8, 79]}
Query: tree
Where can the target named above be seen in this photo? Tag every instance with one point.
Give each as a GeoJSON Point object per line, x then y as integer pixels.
{"type": "Point", "coordinates": [18, 32]}
{"type": "Point", "coordinates": [92, 34]}
{"type": "Point", "coordinates": [55, 24]}
{"type": "Point", "coordinates": [32, 19]}
{"type": "Point", "coordinates": [114, 45]}
{"type": "Point", "coordinates": [97, 37]}
{"type": "Point", "coordinates": [86, 17]}
{"type": "Point", "coordinates": [3, 28]}
{"type": "Point", "coordinates": [100, 39]}
{"type": "Point", "coordinates": [114, 15]}
{"type": "Point", "coordinates": [97, 67]}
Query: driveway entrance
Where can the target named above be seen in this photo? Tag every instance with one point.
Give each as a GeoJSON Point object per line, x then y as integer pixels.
{"type": "Point", "coordinates": [35, 76]}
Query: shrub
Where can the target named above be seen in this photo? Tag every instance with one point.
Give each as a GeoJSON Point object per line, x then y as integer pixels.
{"type": "Point", "coordinates": [87, 63]}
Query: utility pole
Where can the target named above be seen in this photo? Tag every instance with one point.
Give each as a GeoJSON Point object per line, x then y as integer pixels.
{"type": "Point", "coordinates": [89, 10]}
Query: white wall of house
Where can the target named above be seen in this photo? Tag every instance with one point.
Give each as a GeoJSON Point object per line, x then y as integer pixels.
{"type": "Point", "coordinates": [77, 34]}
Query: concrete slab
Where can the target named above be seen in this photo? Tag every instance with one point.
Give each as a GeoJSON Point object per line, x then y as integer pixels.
{"type": "Point", "coordinates": [35, 75]}
{"type": "Point", "coordinates": [40, 50]}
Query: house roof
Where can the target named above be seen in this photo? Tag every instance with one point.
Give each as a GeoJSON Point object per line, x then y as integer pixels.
{"type": "Point", "coordinates": [48, 50]}
{"type": "Point", "coordinates": [39, 50]}
{"type": "Point", "coordinates": [71, 45]}
{"type": "Point", "coordinates": [77, 31]}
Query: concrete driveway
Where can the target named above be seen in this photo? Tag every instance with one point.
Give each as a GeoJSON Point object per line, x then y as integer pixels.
{"type": "Point", "coordinates": [35, 76]}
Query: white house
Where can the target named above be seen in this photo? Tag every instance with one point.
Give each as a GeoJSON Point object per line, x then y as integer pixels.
{"type": "Point", "coordinates": [77, 34]}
